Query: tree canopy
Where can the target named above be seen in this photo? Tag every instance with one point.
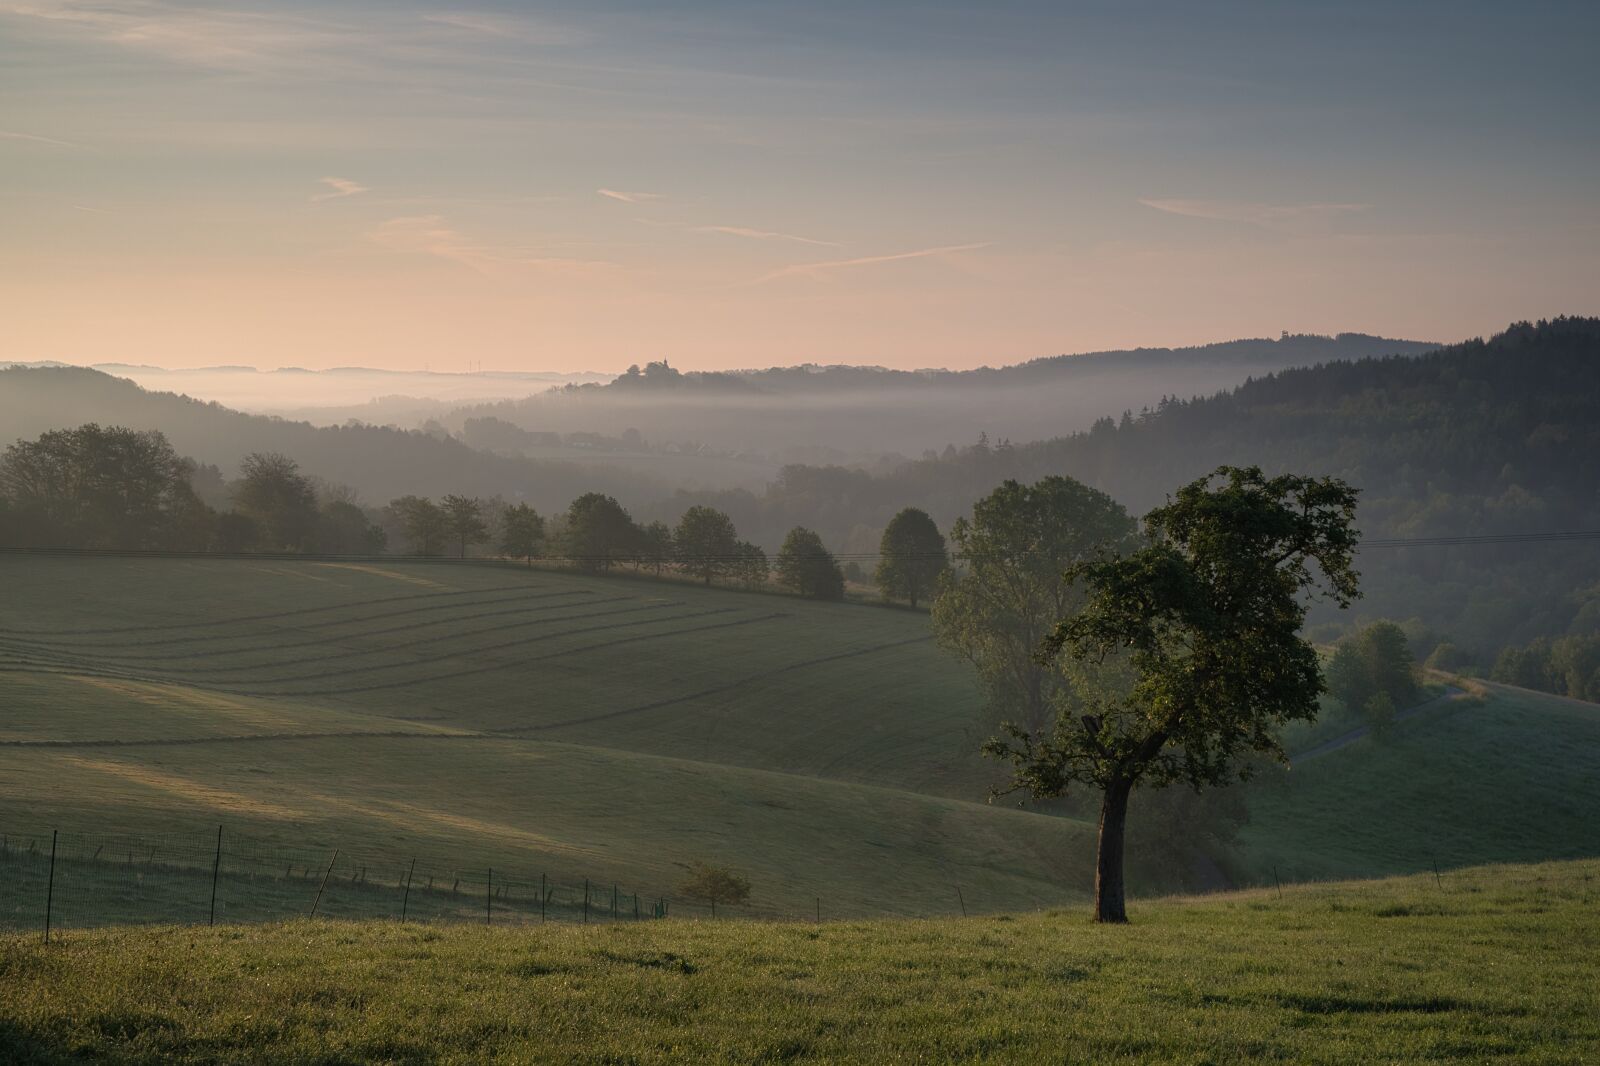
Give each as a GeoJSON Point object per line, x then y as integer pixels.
{"type": "Point", "coordinates": [598, 532]}
{"type": "Point", "coordinates": [1186, 651]}
{"type": "Point", "coordinates": [705, 544]}
{"type": "Point", "coordinates": [806, 566]}
{"type": "Point", "coordinates": [997, 608]}
{"type": "Point", "coordinates": [913, 557]}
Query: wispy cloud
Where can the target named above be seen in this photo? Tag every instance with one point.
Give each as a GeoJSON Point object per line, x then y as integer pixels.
{"type": "Point", "coordinates": [817, 270]}
{"type": "Point", "coordinates": [628, 197]}
{"type": "Point", "coordinates": [340, 187]}
{"type": "Point", "coordinates": [763, 235]}
{"type": "Point", "coordinates": [1268, 216]}
{"type": "Point", "coordinates": [12, 135]}
{"type": "Point", "coordinates": [432, 235]}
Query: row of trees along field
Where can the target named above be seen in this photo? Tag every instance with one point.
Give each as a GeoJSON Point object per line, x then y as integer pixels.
{"type": "Point", "coordinates": [113, 488]}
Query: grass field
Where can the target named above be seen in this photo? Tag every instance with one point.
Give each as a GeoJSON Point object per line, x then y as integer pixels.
{"type": "Point", "coordinates": [1494, 964]}
{"type": "Point", "coordinates": [1509, 777]}
{"type": "Point", "coordinates": [617, 729]}
{"type": "Point", "coordinates": [536, 722]}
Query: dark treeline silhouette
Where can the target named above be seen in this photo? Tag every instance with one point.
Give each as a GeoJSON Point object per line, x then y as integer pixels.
{"type": "Point", "coordinates": [120, 489]}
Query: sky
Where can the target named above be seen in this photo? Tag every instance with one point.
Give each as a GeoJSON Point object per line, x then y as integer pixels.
{"type": "Point", "coordinates": [565, 186]}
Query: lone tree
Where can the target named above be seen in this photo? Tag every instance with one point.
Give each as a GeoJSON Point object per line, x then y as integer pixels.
{"type": "Point", "coordinates": [705, 544]}
{"type": "Point", "coordinates": [464, 517]}
{"type": "Point", "coordinates": [1009, 594]}
{"type": "Point", "coordinates": [913, 557]}
{"type": "Point", "coordinates": [806, 566]}
{"type": "Point", "coordinates": [521, 532]}
{"type": "Point", "coordinates": [1189, 649]}
{"type": "Point", "coordinates": [714, 885]}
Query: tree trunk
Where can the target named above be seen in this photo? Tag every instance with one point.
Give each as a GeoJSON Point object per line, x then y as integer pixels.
{"type": "Point", "coordinates": [1108, 883]}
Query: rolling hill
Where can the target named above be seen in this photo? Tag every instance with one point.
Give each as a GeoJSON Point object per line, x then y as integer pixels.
{"type": "Point", "coordinates": [615, 728]}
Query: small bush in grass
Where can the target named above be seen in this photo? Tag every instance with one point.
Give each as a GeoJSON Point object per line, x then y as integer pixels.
{"type": "Point", "coordinates": [714, 885]}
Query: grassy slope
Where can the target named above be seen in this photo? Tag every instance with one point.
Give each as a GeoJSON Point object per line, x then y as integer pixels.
{"type": "Point", "coordinates": [1507, 778]}
{"type": "Point", "coordinates": [581, 727]}
{"type": "Point", "coordinates": [1500, 963]}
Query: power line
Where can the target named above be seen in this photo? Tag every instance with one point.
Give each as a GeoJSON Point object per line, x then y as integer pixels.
{"type": "Point", "coordinates": [630, 555]}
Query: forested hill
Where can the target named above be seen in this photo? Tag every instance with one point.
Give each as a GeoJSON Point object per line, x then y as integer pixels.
{"type": "Point", "coordinates": [1492, 436]}
{"type": "Point", "coordinates": [858, 413]}
{"type": "Point", "coordinates": [379, 462]}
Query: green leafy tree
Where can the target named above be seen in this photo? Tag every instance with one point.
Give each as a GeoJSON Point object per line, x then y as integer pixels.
{"type": "Point", "coordinates": [598, 532]}
{"type": "Point", "coordinates": [914, 556]}
{"type": "Point", "coordinates": [1376, 660]}
{"type": "Point", "coordinates": [94, 487]}
{"type": "Point", "coordinates": [281, 501]}
{"type": "Point", "coordinates": [521, 532]}
{"type": "Point", "coordinates": [344, 529]}
{"type": "Point", "coordinates": [806, 566]}
{"type": "Point", "coordinates": [423, 523]}
{"type": "Point", "coordinates": [1189, 650]}
{"type": "Point", "coordinates": [655, 546]}
{"type": "Point", "coordinates": [1009, 594]}
{"type": "Point", "coordinates": [753, 569]}
{"type": "Point", "coordinates": [463, 516]}
{"type": "Point", "coordinates": [1379, 711]}
{"type": "Point", "coordinates": [715, 884]}
{"type": "Point", "coordinates": [705, 544]}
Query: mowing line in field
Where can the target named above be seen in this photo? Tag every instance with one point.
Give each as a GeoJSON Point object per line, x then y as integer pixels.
{"type": "Point", "coordinates": [263, 617]}
{"type": "Point", "coordinates": [240, 738]}
{"type": "Point", "coordinates": [474, 672]}
{"type": "Point", "coordinates": [365, 634]}
{"type": "Point", "coordinates": [715, 691]}
{"type": "Point", "coordinates": [209, 637]}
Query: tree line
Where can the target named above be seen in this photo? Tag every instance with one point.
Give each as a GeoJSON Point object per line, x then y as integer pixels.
{"type": "Point", "coordinates": [115, 488]}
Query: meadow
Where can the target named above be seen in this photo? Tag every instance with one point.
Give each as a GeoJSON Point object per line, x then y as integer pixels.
{"type": "Point", "coordinates": [1486, 964]}
{"type": "Point", "coordinates": [550, 725]}
{"type": "Point", "coordinates": [537, 722]}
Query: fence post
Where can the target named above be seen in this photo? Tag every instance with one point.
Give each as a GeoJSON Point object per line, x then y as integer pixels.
{"type": "Point", "coordinates": [1436, 879]}
{"type": "Point", "coordinates": [488, 900]}
{"type": "Point", "coordinates": [1277, 882]}
{"type": "Point", "coordinates": [962, 900]}
{"type": "Point", "coordinates": [328, 873]}
{"type": "Point", "coordinates": [405, 898]}
{"type": "Point", "coordinates": [216, 868]}
{"type": "Point", "coordinates": [819, 910]}
{"type": "Point", "coordinates": [50, 887]}
{"type": "Point", "coordinates": [585, 901]}
{"type": "Point", "coordinates": [543, 898]}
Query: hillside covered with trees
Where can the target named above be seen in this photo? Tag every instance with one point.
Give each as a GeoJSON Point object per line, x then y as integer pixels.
{"type": "Point", "coordinates": [1491, 436]}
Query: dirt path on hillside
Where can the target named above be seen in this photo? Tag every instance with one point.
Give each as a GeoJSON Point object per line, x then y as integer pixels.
{"type": "Point", "coordinates": [1451, 692]}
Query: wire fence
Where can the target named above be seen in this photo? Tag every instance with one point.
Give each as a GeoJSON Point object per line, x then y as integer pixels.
{"type": "Point", "coordinates": [57, 880]}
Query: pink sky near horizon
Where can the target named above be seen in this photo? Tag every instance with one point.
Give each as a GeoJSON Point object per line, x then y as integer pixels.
{"type": "Point", "coordinates": [553, 187]}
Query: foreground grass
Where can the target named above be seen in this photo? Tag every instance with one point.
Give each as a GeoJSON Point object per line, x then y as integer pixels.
{"type": "Point", "coordinates": [1495, 964]}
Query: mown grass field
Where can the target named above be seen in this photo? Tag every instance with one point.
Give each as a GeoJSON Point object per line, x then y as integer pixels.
{"type": "Point", "coordinates": [1496, 964]}
{"type": "Point", "coordinates": [616, 729]}
{"type": "Point", "coordinates": [535, 722]}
